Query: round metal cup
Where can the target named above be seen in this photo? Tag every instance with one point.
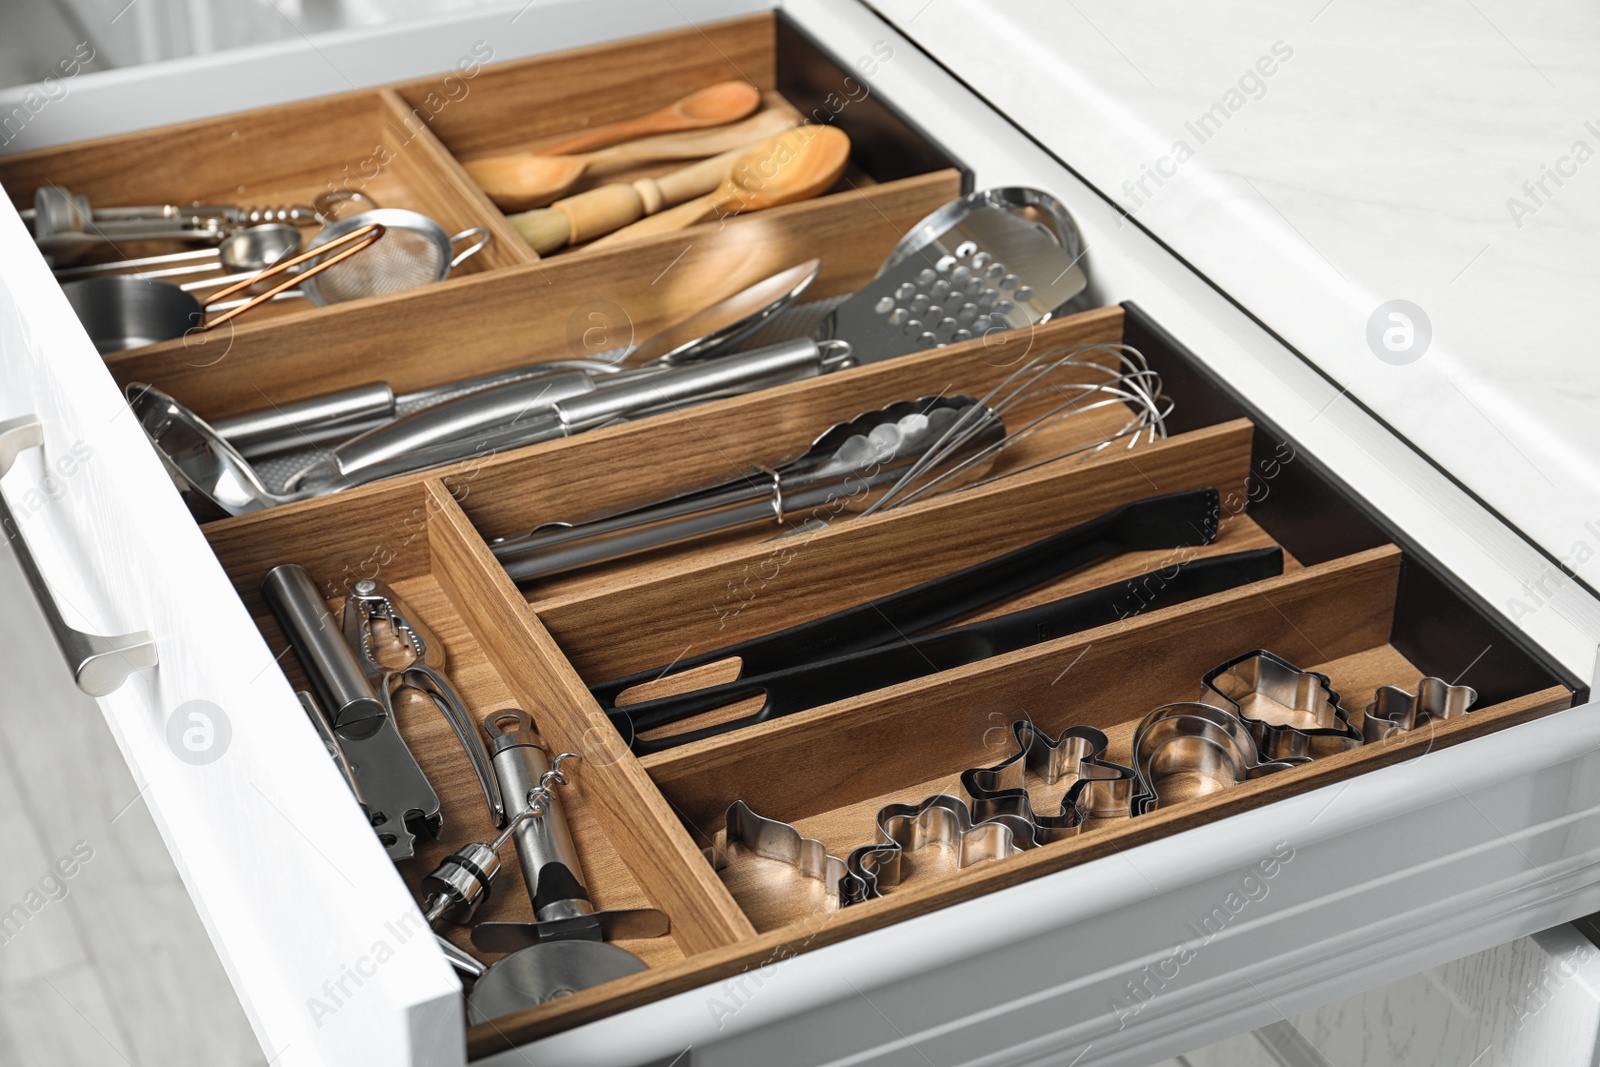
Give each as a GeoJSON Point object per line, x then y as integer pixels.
{"type": "Point", "coordinates": [120, 312]}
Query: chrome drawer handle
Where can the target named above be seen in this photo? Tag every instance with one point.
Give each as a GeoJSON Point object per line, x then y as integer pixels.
{"type": "Point", "coordinates": [99, 664]}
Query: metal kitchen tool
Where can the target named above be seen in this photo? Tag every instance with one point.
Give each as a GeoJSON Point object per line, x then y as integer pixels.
{"type": "Point", "coordinates": [837, 473]}
{"type": "Point", "coordinates": [1100, 789]}
{"type": "Point", "coordinates": [66, 228]}
{"type": "Point", "coordinates": [395, 444]}
{"type": "Point", "coordinates": [1187, 750]}
{"type": "Point", "coordinates": [747, 839]}
{"type": "Point", "coordinates": [330, 741]}
{"type": "Point", "coordinates": [939, 821]}
{"type": "Point", "coordinates": [1289, 712]}
{"type": "Point", "coordinates": [1061, 384]}
{"type": "Point", "coordinates": [214, 480]}
{"type": "Point", "coordinates": [464, 879]}
{"type": "Point", "coordinates": [243, 251]}
{"type": "Point", "coordinates": [566, 948]}
{"type": "Point", "coordinates": [400, 802]}
{"type": "Point", "coordinates": [727, 322]}
{"type": "Point", "coordinates": [374, 616]}
{"type": "Point", "coordinates": [119, 312]}
{"type": "Point", "coordinates": [343, 414]}
{"type": "Point", "coordinates": [1394, 711]}
{"type": "Point", "coordinates": [814, 682]}
{"type": "Point", "coordinates": [416, 252]}
{"type": "Point", "coordinates": [1169, 521]}
{"type": "Point", "coordinates": [994, 260]}
{"type": "Point", "coordinates": [640, 393]}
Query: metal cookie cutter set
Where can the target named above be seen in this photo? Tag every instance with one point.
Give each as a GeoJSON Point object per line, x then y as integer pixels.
{"type": "Point", "coordinates": [1289, 712]}
{"type": "Point", "coordinates": [1100, 790]}
{"type": "Point", "coordinates": [1394, 711]}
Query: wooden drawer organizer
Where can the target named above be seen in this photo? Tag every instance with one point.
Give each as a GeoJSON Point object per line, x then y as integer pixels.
{"type": "Point", "coordinates": [403, 146]}
{"type": "Point", "coordinates": [1349, 604]}
{"type": "Point", "coordinates": [1354, 601]}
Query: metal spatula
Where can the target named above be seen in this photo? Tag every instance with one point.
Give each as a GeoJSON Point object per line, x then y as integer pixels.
{"type": "Point", "coordinates": [994, 260]}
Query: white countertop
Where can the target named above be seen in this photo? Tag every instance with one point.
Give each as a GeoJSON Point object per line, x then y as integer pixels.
{"type": "Point", "coordinates": [1375, 162]}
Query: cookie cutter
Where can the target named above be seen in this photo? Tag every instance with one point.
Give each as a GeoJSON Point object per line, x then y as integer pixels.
{"type": "Point", "coordinates": [1395, 711]}
{"type": "Point", "coordinates": [1103, 790]}
{"type": "Point", "coordinates": [941, 820]}
{"type": "Point", "coordinates": [1289, 712]}
{"type": "Point", "coordinates": [1207, 747]}
{"type": "Point", "coordinates": [745, 832]}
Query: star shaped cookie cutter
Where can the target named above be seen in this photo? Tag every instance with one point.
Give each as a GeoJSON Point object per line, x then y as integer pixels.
{"type": "Point", "coordinates": [937, 820]}
{"type": "Point", "coordinates": [1103, 790]}
{"type": "Point", "coordinates": [1289, 712]}
{"type": "Point", "coordinates": [1395, 711]}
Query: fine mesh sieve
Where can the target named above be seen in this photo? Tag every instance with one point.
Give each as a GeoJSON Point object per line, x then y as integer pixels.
{"type": "Point", "coordinates": [415, 251]}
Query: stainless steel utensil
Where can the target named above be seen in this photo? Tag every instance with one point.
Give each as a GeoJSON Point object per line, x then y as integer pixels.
{"type": "Point", "coordinates": [992, 261]}
{"type": "Point", "coordinates": [642, 393]}
{"type": "Point", "coordinates": [416, 252]}
{"type": "Point", "coordinates": [119, 312]}
{"type": "Point", "coordinates": [724, 323]}
{"type": "Point", "coordinates": [400, 802]}
{"type": "Point", "coordinates": [837, 474]}
{"type": "Point", "coordinates": [348, 412]}
{"type": "Point", "coordinates": [250, 249]}
{"type": "Point", "coordinates": [490, 408]}
{"type": "Point", "coordinates": [65, 227]}
{"type": "Point", "coordinates": [214, 480]}
{"type": "Point", "coordinates": [566, 948]}
{"type": "Point", "coordinates": [343, 414]}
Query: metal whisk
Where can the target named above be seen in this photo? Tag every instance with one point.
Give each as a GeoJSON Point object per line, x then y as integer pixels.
{"type": "Point", "coordinates": [1126, 382]}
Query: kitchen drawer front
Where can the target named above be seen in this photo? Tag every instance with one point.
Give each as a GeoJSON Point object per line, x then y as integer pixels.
{"type": "Point", "coordinates": [258, 822]}
{"type": "Point", "coordinates": [965, 983]}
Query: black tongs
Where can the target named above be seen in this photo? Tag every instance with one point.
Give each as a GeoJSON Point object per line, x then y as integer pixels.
{"type": "Point", "coordinates": [1171, 521]}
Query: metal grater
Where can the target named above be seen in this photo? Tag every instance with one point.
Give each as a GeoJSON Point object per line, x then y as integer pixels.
{"type": "Point", "coordinates": [974, 267]}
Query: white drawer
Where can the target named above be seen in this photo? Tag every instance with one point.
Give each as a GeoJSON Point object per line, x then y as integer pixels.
{"type": "Point", "coordinates": [1396, 869]}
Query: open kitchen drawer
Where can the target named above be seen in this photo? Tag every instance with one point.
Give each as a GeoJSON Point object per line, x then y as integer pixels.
{"type": "Point", "coordinates": [1382, 859]}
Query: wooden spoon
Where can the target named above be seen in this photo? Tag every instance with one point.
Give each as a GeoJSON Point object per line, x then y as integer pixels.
{"type": "Point", "coordinates": [715, 105]}
{"type": "Point", "coordinates": [792, 166]}
{"type": "Point", "coordinates": [522, 180]}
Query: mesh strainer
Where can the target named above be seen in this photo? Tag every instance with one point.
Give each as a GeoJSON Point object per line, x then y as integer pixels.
{"type": "Point", "coordinates": [415, 251]}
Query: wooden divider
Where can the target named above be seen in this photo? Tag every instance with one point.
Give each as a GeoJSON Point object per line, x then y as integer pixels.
{"type": "Point", "coordinates": [857, 748]}
{"type": "Point", "coordinates": [638, 820]}
{"type": "Point", "coordinates": [472, 325]}
{"type": "Point", "coordinates": [713, 599]}
{"type": "Point", "coordinates": [513, 106]}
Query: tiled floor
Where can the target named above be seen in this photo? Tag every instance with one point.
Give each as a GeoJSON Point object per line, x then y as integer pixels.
{"type": "Point", "coordinates": [108, 964]}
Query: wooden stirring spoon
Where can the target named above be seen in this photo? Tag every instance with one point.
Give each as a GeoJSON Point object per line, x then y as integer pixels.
{"type": "Point", "coordinates": [523, 180]}
{"type": "Point", "coordinates": [792, 166]}
{"type": "Point", "coordinates": [715, 105]}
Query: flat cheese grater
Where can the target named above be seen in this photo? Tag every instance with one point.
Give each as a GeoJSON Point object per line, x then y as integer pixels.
{"type": "Point", "coordinates": [994, 260]}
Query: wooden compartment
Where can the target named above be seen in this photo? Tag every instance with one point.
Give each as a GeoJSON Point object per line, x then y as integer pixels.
{"type": "Point", "coordinates": [634, 853]}
{"type": "Point", "coordinates": [543, 311]}
{"type": "Point", "coordinates": [1353, 602]}
{"type": "Point", "coordinates": [364, 142]}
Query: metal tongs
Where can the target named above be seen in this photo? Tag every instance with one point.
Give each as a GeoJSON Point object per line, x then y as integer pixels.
{"type": "Point", "coordinates": [839, 472]}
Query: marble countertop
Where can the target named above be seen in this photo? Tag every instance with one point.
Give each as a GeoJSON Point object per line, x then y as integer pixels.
{"type": "Point", "coordinates": [1319, 159]}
